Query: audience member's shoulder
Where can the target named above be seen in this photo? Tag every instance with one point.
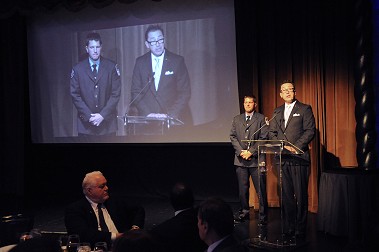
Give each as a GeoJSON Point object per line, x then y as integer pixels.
{"type": "Point", "coordinates": [39, 244]}
{"type": "Point", "coordinates": [138, 240]}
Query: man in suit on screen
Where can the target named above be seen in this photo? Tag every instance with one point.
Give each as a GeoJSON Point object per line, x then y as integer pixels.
{"type": "Point", "coordinates": [160, 82]}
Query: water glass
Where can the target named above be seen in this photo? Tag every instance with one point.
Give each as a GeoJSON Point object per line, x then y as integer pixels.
{"type": "Point", "coordinates": [84, 247]}
{"type": "Point", "coordinates": [73, 243]}
{"type": "Point", "coordinates": [100, 247]}
{"type": "Point", "coordinates": [63, 242]}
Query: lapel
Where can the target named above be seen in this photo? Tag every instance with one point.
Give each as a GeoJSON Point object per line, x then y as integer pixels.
{"type": "Point", "coordinates": [294, 110]}
{"type": "Point", "coordinates": [89, 209]}
{"type": "Point", "coordinates": [166, 66]}
{"type": "Point", "coordinates": [281, 117]}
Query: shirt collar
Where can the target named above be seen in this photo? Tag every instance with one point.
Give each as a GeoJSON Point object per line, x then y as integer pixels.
{"type": "Point", "coordinates": [215, 244]}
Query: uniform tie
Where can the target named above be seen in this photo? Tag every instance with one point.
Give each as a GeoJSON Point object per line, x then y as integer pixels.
{"type": "Point", "coordinates": [94, 69]}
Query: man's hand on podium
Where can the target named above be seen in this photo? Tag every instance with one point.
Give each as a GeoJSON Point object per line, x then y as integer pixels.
{"type": "Point", "coordinates": [157, 115]}
{"type": "Point", "coordinates": [291, 149]}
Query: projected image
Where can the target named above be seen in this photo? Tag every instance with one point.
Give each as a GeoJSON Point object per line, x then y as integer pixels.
{"type": "Point", "coordinates": [170, 77]}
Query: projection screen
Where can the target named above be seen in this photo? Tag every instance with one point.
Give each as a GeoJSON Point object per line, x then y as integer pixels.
{"type": "Point", "coordinates": [202, 32]}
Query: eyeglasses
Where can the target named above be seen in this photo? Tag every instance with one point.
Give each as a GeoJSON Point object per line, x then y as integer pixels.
{"type": "Point", "coordinates": [289, 90]}
{"type": "Point", "coordinates": [153, 43]}
{"type": "Point", "coordinates": [102, 186]}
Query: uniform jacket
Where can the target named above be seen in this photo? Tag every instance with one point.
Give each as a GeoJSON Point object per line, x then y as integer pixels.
{"type": "Point", "coordinates": [96, 95]}
{"type": "Point", "coordinates": [241, 130]}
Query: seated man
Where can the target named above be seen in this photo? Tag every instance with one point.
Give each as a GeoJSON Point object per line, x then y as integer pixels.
{"type": "Point", "coordinates": [180, 233]}
{"type": "Point", "coordinates": [97, 217]}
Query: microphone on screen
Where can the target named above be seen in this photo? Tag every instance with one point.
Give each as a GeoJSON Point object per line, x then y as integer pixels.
{"type": "Point", "coordinates": [150, 78]}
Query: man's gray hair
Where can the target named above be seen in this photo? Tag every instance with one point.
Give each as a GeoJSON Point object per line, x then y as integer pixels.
{"type": "Point", "coordinates": [88, 179]}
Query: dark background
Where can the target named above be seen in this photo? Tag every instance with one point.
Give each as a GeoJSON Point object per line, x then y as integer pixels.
{"type": "Point", "coordinates": [46, 173]}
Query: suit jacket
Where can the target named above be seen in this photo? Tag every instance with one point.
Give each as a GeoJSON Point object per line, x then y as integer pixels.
{"type": "Point", "coordinates": [174, 89]}
{"type": "Point", "coordinates": [230, 244]}
{"type": "Point", "coordinates": [243, 131]}
{"type": "Point", "coordinates": [300, 129]}
{"type": "Point", "coordinates": [96, 95]}
{"type": "Point", "coordinates": [180, 233]}
{"type": "Point", "coordinates": [80, 219]}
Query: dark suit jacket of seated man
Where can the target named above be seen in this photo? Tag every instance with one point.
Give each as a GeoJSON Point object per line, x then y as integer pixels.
{"type": "Point", "coordinates": [82, 219]}
{"type": "Point", "coordinates": [180, 233]}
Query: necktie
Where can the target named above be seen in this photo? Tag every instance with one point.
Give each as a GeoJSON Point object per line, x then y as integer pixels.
{"type": "Point", "coordinates": [157, 74]}
{"type": "Point", "coordinates": [94, 69]}
{"type": "Point", "coordinates": [247, 118]}
{"type": "Point", "coordinates": [102, 223]}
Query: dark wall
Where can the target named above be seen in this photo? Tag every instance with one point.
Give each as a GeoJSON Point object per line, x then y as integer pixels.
{"type": "Point", "coordinates": [56, 171]}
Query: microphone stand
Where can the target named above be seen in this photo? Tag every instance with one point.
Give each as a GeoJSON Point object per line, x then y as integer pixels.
{"type": "Point", "coordinates": [150, 77]}
{"type": "Point", "coordinates": [267, 123]}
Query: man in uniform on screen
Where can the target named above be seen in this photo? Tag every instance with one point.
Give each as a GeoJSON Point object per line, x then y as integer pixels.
{"type": "Point", "coordinates": [95, 88]}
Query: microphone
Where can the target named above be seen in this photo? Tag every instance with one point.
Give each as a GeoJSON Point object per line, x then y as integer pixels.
{"type": "Point", "coordinates": [279, 125]}
{"type": "Point", "coordinates": [267, 123]}
{"type": "Point", "coordinates": [149, 79]}
{"type": "Point", "coordinates": [164, 109]}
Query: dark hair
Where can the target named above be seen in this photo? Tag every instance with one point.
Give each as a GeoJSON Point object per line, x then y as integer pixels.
{"type": "Point", "coordinates": [288, 81]}
{"type": "Point", "coordinates": [153, 28]}
{"type": "Point", "coordinates": [218, 214]}
{"type": "Point", "coordinates": [181, 196]}
{"type": "Point", "coordinates": [93, 36]}
{"type": "Point", "coordinates": [137, 240]}
{"type": "Point", "coordinates": [250, 96]}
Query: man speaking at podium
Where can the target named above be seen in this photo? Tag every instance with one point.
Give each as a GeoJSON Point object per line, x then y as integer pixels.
{"type": "Point", "coordinates": [160, 82]}
{"type": "Point", "coordinates": [294, 122]}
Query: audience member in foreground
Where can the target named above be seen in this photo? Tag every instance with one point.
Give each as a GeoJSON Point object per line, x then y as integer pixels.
{"type": "Point", "coordinates": [180, 233]}
{"type": "Point", "coordinates": [216, 225]}
{"type": "Point", "coordinates": [38, 244]}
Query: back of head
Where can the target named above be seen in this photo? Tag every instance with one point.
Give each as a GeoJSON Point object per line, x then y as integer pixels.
{"type": "Point", "coordinates": [218, 214]}
{"type": "Point", "coordinates": [137, 240]}
{"type": "Point", "coordinates": [181, 196]}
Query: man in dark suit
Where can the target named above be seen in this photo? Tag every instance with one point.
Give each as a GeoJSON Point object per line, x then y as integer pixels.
{"type": "Point", "coordinates": [95, 90]}
{"type": "Point", "coordinates": [216, 226]}
{"type": "Point", "coordinates": [249, 125]}
{"type": "Point", "coordinates": [160, 82]}
{"type": "Point", "coordinates": [96, 217]}
{"type": "Point", "coordinates": [180, 233]}
{"type": "Point", "coordinates": [294, 122]}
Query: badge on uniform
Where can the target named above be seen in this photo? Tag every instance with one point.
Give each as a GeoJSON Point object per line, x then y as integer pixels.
{"type": "Point", "coordinates": [117, 70]}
